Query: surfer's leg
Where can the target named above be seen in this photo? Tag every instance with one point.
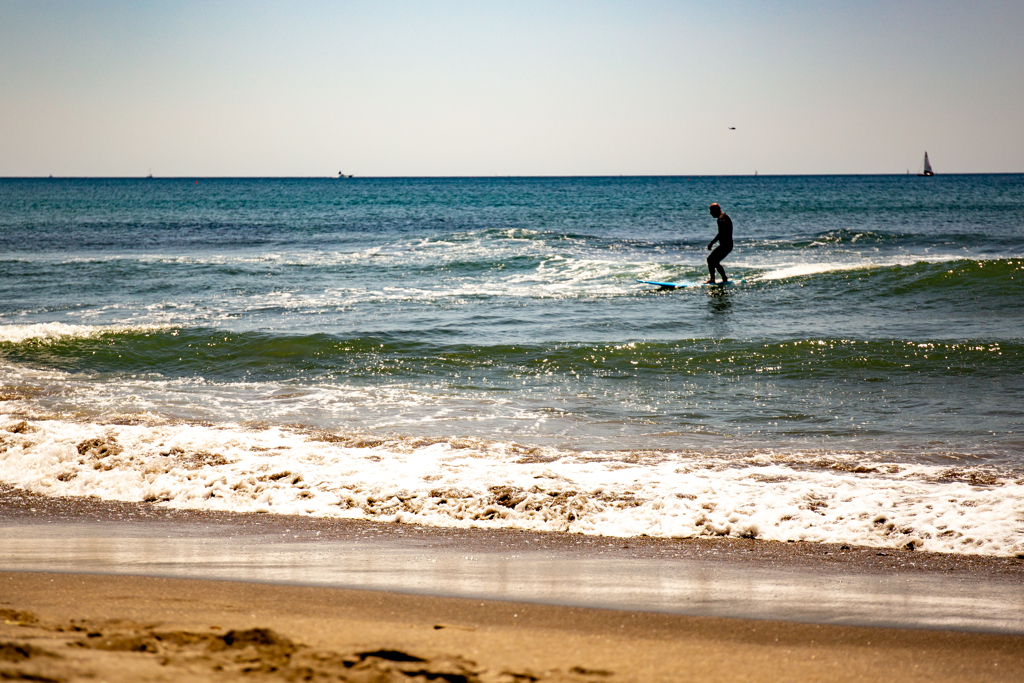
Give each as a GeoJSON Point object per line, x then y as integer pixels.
{"type": "Point", "coordinates": [715, 262]}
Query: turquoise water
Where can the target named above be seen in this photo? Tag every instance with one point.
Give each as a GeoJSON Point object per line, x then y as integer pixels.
{"type": "Point", "coordinates": [879, 315]}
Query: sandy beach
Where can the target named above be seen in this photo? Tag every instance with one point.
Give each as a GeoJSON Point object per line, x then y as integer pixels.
{"type": "Point", "coordinates": [59, 625]}
{"type": "Point", "coordinates": [67, 627]}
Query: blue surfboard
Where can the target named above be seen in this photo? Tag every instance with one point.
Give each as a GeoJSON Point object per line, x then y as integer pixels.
{"type": "Point", "coordinates": [677, 285]}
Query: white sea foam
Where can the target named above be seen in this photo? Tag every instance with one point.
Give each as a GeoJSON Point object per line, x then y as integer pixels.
{"type": "Point", "coordinates": [785, 497]}
{"type": "Point", "coordinates": [804, 269]}
{"type": "Point", "coordinates": [17, 334]}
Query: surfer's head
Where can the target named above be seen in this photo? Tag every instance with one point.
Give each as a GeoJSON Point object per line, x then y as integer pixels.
{"type": "Point", "coordinates": [716, 210]}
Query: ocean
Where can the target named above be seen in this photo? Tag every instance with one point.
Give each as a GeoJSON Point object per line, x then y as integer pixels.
{"type": "Point", "coordinates": [477, 352]}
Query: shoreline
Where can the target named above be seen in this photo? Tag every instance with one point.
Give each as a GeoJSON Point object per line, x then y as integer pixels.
{"type": "Point", "coordinates": [948, 506]}
{"type": "Point", "coordinates": [18, 507]}
{"type": "Point", "coordinates": [703, 577]}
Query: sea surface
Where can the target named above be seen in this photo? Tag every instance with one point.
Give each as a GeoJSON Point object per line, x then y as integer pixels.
{"type": "Point", "coordinates": [477, 352]}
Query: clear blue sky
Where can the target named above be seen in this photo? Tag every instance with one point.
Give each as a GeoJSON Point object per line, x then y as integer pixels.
{"type": "Point", "coordinates": [387, 88]}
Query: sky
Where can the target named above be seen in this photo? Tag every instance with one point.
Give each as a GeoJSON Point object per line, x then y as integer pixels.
{"type": "Point", "coordinates": [479, 88]}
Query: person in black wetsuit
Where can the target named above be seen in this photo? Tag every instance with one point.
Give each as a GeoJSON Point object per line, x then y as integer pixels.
{"type": "Point", "coordinates": [724, 239]}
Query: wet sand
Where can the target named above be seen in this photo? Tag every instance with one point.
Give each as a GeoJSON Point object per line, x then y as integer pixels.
{"type": "Point", "coordinates": [66, 626]}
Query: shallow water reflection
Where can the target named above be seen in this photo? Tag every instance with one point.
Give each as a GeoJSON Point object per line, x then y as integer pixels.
{"type": "Point", "coordinates": [706, 588]}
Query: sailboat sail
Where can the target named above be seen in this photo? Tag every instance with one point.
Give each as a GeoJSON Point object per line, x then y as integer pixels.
{"type": "Point", "coordinates": [927, 166]}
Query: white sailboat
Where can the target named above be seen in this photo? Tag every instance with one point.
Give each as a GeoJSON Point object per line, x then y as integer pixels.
{"type": "Point", "coordinates": [927, 167]}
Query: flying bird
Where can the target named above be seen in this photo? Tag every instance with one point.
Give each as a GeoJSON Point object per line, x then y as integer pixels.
{"type": "Point", "coordinates": [732, 127]}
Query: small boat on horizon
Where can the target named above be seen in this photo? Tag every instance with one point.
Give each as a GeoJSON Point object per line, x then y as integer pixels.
{"type": "Point", "coordinates": [927, 167]}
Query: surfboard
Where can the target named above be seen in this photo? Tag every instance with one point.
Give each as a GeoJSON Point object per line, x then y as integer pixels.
{"type": "Point", "coordinates": [677, 285]}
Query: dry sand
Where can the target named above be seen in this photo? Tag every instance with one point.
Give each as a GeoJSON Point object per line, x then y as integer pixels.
{"type": "Point", "coordinates": [71, 627]}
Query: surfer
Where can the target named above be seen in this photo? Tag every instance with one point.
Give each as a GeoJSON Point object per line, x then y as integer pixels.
{"type": "Point", "coordinates": [724, 239]}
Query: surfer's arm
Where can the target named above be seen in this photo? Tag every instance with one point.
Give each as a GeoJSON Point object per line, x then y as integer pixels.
{"type": "Point", "coordinates": [712, 242]}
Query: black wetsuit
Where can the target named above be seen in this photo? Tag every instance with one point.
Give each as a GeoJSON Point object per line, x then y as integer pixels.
{"type": "Point", "coordinates": [724, 239]}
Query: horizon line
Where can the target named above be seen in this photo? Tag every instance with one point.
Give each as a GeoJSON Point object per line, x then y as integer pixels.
{"type": "Point", "coordinates": [479, 177]}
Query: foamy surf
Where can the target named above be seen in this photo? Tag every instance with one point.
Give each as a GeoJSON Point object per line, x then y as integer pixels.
{"type": "Point", "coordinates": [17, 334]}
{"type": "Point", "coordinates": [803, 269]}
{"type": "Point", "coordinates": [797, 496]}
